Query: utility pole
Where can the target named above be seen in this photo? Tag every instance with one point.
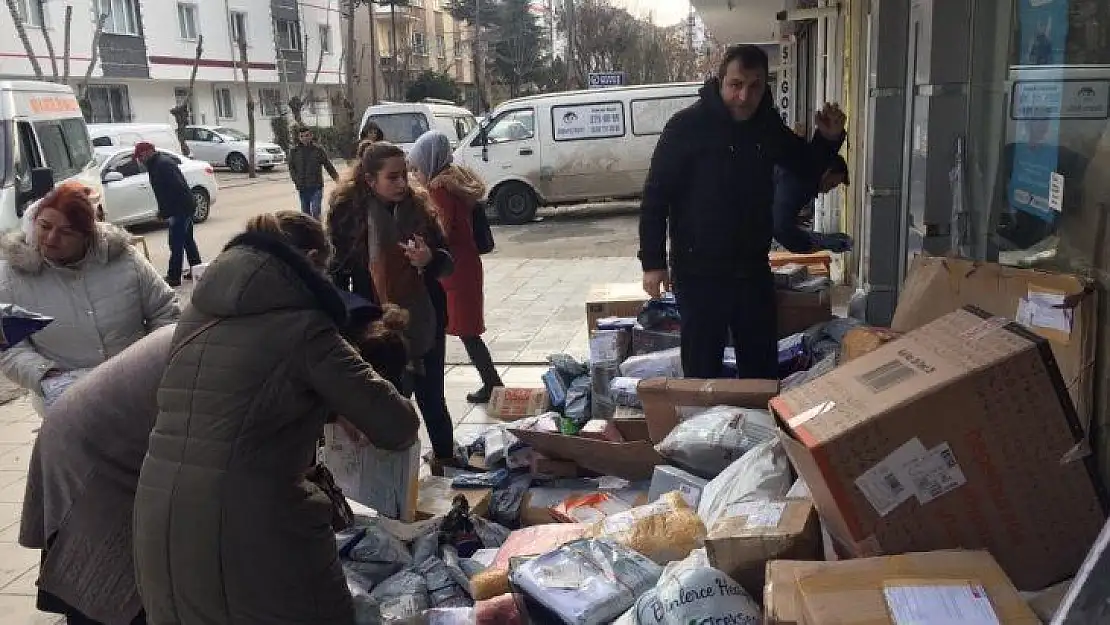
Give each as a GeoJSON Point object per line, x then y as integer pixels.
{"type": "Point", "coordinates": [375, 54]}
{"type": "Point", "coordinates": [395, 78]}
{"type": "Point", "coordinates": [479, 57]}
{"type": "Point", "coordinates": [568, 11]}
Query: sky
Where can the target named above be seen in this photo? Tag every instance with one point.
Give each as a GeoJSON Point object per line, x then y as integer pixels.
{"type": "Point", "coordinates": [666, 12]}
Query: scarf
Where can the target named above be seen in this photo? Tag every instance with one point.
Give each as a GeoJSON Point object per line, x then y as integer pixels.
{"type": "Point", "coordinates": [431, 154]}
{"type": "Point", "coordinates": [395, 280]}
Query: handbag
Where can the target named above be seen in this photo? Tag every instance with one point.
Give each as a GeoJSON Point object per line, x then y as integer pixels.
{"type": "Point", "coordinates": [342, 516]}
{"type": "Point", "coordinates": [483, 235]}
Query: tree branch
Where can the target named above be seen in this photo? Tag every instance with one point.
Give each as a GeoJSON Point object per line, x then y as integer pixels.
{"type": "Point", "coordinates": [95, 56]}
{"type": "Point", "coordinates": [245, 67]}
{"type": "Point", "coordinates": [21, 31]}
{"type": "Point", "coordinates": [181, 112]}
{"type": "Point", "coordinates": [66, 40]}
{"type": "Point", "coordinates": [49, 43]}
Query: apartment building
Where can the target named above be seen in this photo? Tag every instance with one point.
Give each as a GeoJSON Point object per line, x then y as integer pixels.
{"type": "Point", "coordinates": [410, 39]}
{"type": "Point", "coordinates": [147, 49]}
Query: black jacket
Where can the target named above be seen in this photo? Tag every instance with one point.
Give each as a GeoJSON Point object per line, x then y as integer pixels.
{"type": "Point", "coordinates": [172, 192]}
{"type": "Point", "coordinates": [792, 194]}
{"type": "Point", "coordinates": [712, 182]}
{"type": "Point", "coordinates": [305, 164]}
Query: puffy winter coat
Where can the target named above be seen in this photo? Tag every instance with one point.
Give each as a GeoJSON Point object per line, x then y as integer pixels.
{"type": "Point", "coordinates": [100, 306]}
{"type": "Point", "coordinates": [226, 528]}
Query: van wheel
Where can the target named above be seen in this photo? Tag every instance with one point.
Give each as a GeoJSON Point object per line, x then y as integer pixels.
{"type": "Point", "coordinates": [515, 203]}
{"type": "Point", "coordinates": [204, 205]}
{"type": "Point", "coordinates": [238, 163]}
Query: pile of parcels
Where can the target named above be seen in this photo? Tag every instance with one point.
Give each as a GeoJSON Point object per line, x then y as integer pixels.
{"type": "Point", "coordinates": [935, 472]}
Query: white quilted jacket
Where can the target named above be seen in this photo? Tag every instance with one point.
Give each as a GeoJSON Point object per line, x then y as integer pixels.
{"type": "Point", "coordinates": [111, 299]}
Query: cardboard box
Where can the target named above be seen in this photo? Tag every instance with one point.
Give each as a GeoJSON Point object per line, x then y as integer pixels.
{"type": "Point", "coordinates": [741, 546]}
{"type": "Point", "coordinates": [817, 263]}
{"type": "Point", "coordinates": [959, 434]}
{"type": "Point", "coordinates": [850, 592]}
{"type": "Point", "coordinates": [538, 502]}
{"type": "Point", "coordinates": [864, 340]}
{"type": "Point", "coordinates": [613, 300]}
{"type": "Point", "coordinates": [799, 311]}
{"type": "Point", "coordinates": [385, 481]}
{"type": "Point", "coordinates": [544, 466]}
{"type": "Point", "coordinates": [436, 496]}
{"type": "Point", "coordinates": [668, 401]}
{"type": "Point", "coordinates": [935, 287]}
{"type": "Point", "coordinates": [633, 459]}
{"type": "Point", "coordinates": [512, 404]}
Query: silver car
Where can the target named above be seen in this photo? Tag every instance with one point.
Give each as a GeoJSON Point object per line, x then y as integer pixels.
{"type": "Point", "coordinates": [221, 146]}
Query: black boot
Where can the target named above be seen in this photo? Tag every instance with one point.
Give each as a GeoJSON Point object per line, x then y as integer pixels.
{"type": "Point", "coordinates": [480, 396]}
{"type": "Point", "coordinates": [483, 362]}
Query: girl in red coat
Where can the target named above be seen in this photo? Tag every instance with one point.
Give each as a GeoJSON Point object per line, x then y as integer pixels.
{"type": "Point", "coordinates": [455, 191]}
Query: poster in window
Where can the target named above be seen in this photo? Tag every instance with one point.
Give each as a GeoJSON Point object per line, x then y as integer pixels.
{"type": "Point", "coordinates": [588, 121]}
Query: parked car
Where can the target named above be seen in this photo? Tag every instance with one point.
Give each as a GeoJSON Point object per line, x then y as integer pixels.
{"type": "Point", "coordinates": [161, 136]}
{"type": "Point", "coordinates": [221, 146]}
{"type": "Point", "coordinates": [565, 148]}
{"type": "Point", "coordinates": [403, 123]}
{"type": "Point", "coordinates": [43, 140]}
{"type": "Point", "coordinates": [128, 197]}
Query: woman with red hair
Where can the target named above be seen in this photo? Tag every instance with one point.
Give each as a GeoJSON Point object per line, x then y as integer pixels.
{"type": "Point", "coordinates": [102, 294]}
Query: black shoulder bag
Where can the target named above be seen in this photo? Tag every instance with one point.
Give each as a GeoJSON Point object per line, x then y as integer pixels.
{"type": "Point", "coordinates": [483, 234]}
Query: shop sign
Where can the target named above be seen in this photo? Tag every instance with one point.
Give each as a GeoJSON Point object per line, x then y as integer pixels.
{"type": "Point", "coordinates": [599, 80]}
{"type": "Point", "coordinates": [1061, 99]}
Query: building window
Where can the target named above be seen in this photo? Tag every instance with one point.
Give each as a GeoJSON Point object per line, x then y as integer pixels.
{"type": "Point", "coordinates": [419, 45]}
{"type": "Point", "coordinates": [110, 104]}
{"type": "Point", "coordinates": [180, 94]}
{"type": "Point", "coordinates": [123, 16]}
{"type": "Point", "coordinates": [325, 39]}
{"type": "Point", "coordinates": [288, 34]}
{"type": "Point", "coordinates": [460, 48]}
{"type": "Point", "coordinates": [238, 27]}
{"type": "Point", "coordinates": [187, 20]}
{"type": "Point", "coordinates": [441, 46]}
{"type": "Point", "coordinates": [225, 103]}
{"type": "Point", "coordinates": [32, 12]}
{"type": "Point", "coordinates": [270, 101]}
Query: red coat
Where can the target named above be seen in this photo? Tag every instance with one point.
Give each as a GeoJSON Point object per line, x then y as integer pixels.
{"type": "Point", "coordinates": [454, 193]}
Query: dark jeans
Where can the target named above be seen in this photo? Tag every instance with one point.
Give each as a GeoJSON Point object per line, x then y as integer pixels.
{"type": "Point", "coordinates": [711, 307]}
{"type": "Point", "coordinates": [182, 245]}
{"type": "Point", "coordinates": [432, 400]}
{"type": "Point", "coordinates": [480, 357]}
{"type": "Point", "coordinates": [311, 199]}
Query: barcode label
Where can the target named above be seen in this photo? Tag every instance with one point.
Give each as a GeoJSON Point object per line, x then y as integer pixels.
{"type": "Point", "coordinates": [936, 473]}
{"type": "Point", "coordinates": [887, 484]}
{"type": "Point", "coordinates": [887, 376]}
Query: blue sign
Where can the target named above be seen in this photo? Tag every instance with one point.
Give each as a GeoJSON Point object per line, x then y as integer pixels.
{"type": "Point", "coordinates": [1043, 40]}
{"type": "Point", "coordinates": [600, 80]}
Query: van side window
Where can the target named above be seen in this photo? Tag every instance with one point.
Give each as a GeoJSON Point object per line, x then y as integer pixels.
{"type": "Point", "coordinates": [401, 127]}
{"type": "Point", "coordinates": [29, 157]}
{"type": "Point", "coordinates": [513, 126]}
{"type": "Point", "coordinates": [650, 115]}
{"type": "Point", "coordinates": [65, 146]}
{"type": "Point", "coordinates": [101, 142]}
{"type": "Point", "coordinates": [126, 165]}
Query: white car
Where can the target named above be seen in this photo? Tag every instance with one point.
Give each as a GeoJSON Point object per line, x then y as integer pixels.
{"type": "Point", "coordinates": [128, 197]}
{"type": "Point", "coordinates": [227, 147]}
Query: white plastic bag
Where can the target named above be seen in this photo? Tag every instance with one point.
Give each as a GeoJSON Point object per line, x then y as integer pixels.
{"type": "Point", "coordinates": [708, 442]}
{"type": "Point", "coordinates": [587, 582]}
{"type": "Point", "coordinates": [694, 595]}
{"type": "Point", "coordinates": [664, 364]}
{"type": "Point", "coordinates": [401, 598]}
{"type": "Point", "coordinates": [761, 474]}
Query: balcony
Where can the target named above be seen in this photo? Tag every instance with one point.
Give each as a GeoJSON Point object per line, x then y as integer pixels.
{"type": "Point", "coordinates": [411, 11]}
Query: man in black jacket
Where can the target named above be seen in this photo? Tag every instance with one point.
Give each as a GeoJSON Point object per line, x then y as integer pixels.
{"type": "Point", "coordinates": [712, 182]}
{"type": "Point", "coordinates": [305, 164]}
{"type": "Point", "coordinates": [175, 205]}
{"type": "Point", "coordinates": [794, 196]}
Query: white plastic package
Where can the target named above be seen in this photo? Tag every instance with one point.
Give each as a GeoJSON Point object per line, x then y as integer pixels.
{"type": "Point", "coordinates": [587, 582]}
{"type": "Point", "coordinates": [664, 364]}
{"type": "Point", "coordinates": [401, 599]}
{"type": "Point", "coordinates": [708, 442]}
{"type": "Point", "coordinates": [450, 616]}
{"type": "Point", "coordinates": [698, 594]}
{"type": "Point", "coordinates": [761, 474]}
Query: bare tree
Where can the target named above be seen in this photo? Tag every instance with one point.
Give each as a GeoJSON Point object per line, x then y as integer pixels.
{"type": "Point", "coordinates": [252, 172]}
{"type": "Point", "coordinates": [182, 113]}
{"type": "Point", "coordinates": [83, 97]}
{"type": "Point", "coordinates": [21, 32]}
{"type": "Point", "coordinates": [49, 46]}
{"type": "Point", "coordinates": [66, 41]}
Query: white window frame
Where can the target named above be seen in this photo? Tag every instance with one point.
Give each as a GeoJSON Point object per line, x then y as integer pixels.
{"type": "Point", "coordinates": [32, 12]}
{"type": "Point", "coordinates": [296, 43]}
{"type": "Point", "coordinates": [419, 43]}
{"type": "Point", "coordinates": [441, 46]}
{"type": "Point", "coordinates": [185, 12]}
{"type": "Point", "coordinates": [324, 33]}
{"type": "Point", "coordinates": [459, 46]}
{"type": "Point", "coordinates": [277, 103]}
{"type": "Point", "coordinates": [230, 103]}
{"type": "Point", "coordinates": [126, 23]}
{"type": "Point", "coordinates": [242, 28]}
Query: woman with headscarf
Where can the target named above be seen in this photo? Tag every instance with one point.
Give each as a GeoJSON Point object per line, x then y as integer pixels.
{"type": "Point", "coordinates": [227, 527]}
{"type": "Point", "coordinates": [102, 293]}
{"type": "Point", "coordinates": [456, 191]}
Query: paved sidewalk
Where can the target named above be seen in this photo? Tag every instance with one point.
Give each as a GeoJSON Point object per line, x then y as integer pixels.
{"type": "Point", "coordinates": [19, 423]}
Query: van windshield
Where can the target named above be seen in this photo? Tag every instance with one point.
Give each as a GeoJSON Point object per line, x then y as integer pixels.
{"type": "Point", "coordinates": [65, 146]}
{"type": "Point", "coordinates": [401, 127]}
{"type": "Point", "coordinates": [6, 156]}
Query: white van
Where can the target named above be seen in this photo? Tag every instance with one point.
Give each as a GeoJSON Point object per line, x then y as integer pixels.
{"type": "Point", "coordinates": [162, 136]}
{"type": "Point", "coordinates": [402, 124]}
{"type": "Point", "coordinates": [565, 148]}
{"type": "Point", "coordinates": [43, 139]}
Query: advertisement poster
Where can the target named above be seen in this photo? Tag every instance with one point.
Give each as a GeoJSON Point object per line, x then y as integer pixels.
{"type": "Point", "coordinates": [588, 121]}
{"type": "Point", "coordinates": [1043, 36]}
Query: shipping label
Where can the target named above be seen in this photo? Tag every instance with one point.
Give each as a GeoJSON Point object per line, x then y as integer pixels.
{"type": "Point", "coordinates": [888, 485]}
{"type": "Point", "coordinates": [936, 473]}
{"type": "Point", "coordinates": [947, 604]}
{"type": "Point", "coordinates": [759, 513]}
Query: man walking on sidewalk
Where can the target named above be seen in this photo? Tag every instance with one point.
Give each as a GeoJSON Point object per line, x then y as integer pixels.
{"type": "Point", "coordinates": [175, 205]}
{"type": "Point", "coordinates": [711, 184]}
{"type": "Point", "coordinates": [305, 164]}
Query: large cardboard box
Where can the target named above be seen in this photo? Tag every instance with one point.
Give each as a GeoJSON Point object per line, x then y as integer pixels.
{"type": "Point", "coordinates": [613, 300]}
{"type": "Point", "coordinates": [935, 287]}
{"type": "Point", "coordinates": [741, 545]}
{"type": "Point", "coordinates": [385, 481]}
{"type": "Point", "coordinates": [799, 311]}
{"type": "Point", "coordinates": [959, 434]}
{"type": "Point", "coordinates": [850, 592]}
{"type": "Point", "coordinates": [668, 401]}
